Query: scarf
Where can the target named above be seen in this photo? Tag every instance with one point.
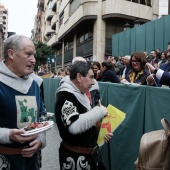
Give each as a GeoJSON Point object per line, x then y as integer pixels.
{"type": "Point", "coordinates": [71, 88]}
{"type": "Point", "coordinates": [10, 79]}
{"type": "Point", "coordinates": [133, 76]}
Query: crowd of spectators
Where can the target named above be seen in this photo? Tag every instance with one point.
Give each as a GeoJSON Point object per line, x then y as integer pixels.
{"type": "Point", "coordinates": [128, 69]}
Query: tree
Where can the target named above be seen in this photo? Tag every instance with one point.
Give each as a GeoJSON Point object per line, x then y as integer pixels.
{"type": "Point", "coordinates": [42, 53]}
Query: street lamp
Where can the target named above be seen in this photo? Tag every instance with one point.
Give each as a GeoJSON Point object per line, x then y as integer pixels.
{"type": "Point", "coordinates": [127, 26]}
{"type": "Point", "coordinates": [136, 23]}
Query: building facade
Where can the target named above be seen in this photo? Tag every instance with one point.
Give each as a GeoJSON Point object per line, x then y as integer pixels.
{"type": "Point", "coordinates": [164, 6]}
{"type": "Point", "coordinates": [85, 27]}
{"type": "Point", "coordinates": [3, 27]}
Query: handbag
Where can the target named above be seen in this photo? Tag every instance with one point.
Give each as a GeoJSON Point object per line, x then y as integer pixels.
{"type": "Point", "coordinates": [154, 151]}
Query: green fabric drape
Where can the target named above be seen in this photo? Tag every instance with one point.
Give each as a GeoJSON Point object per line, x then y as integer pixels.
{"type": "Point", "coordinates": [166, 31]}
{"type": "Point", "coordinates": [157, 107]}
{"type": "Point", "coordinates": [50, 87]}
{"type": "Point", "coordinates": [124, 145]}
{"type": "Point", "coordinates": [147, 37]}
{"type": "Point", "coordinates": [141, 38]}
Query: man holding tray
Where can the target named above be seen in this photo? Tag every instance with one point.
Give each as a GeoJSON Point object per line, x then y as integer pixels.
{"type": "Point", "coordinates": [20, 105]}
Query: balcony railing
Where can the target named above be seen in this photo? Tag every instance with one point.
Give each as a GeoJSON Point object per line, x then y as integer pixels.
{"type": "Point", "coordinates": [54, 5]}
{"type": "Point", "coordinates": [53, 39]}
{"type": "Point", "coordinates": [48, 31]}
{"type": "Point", "coordinates": [53, 21]}
{"type": "Point", "coordinates": [41, 4]}
{"type": "Point", "coordinates": [49, 14]}
{"type": "Point", "coordinates": [4, 16]}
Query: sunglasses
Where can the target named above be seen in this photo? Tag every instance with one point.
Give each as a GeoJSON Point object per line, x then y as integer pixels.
{"type": "Point", "coordinates": [135, 61]}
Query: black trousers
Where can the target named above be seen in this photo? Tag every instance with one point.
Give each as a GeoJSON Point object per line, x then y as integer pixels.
{"type": "Point", "coordinates": [74, 161]}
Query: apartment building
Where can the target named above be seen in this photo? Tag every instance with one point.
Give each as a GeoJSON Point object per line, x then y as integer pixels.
{"type": "Point", "coordinates": [3, 27]}
{"type": "Point", "coordinates": [39, 23]}
{"type": "Point", "coordinates": [85, 27]}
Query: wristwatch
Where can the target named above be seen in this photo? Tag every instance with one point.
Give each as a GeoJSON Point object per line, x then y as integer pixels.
{"type": "Point", "coordinates": [155, 71]}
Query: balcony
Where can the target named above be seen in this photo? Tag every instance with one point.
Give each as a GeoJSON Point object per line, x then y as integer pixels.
{"type": "Point", "coordinates": [4, 15]}
{"type": "Point", "coordinates": [5, 12]}
{"type": "Point", "coordinates": [39, 26]}
{"type": "Point", "coordinates": [47, 2]}
{"type": "Point", "coordinates": [87, 10]}
{"type": "Point", "coordinates": [5, 21]}
{"type": "Point", "coordinates": [53, 21]}
{"type": "Point", "coordinates": [49, 14]}
{"type": "Point", "coordinates": [126, 9]}
{"type": "Point", "coordinates": [41, 5]}
{"type": "Point", "coordinates": [54, 5]}
{"type": "Point", "coordinates": [53, 39]}
{"type": "Point", "coordinates": [48, 31]}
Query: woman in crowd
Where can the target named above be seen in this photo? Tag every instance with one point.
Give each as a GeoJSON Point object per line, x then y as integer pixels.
{"type": "Point", "coordinates": [163, 58]}
{"type": "Point", "coordinates": [108, 75]}
{"type": "Point", "coordinates": [96, 70]}
{"type": "Point", "coordinates": [53, 75]}
{"type": "Point", "coordinates": [61, 73]}
{"type": "Point", "coordinates": [139, 73]}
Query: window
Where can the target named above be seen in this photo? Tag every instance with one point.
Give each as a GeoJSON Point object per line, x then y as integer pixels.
{"type": "Point", "coordinates": [81, 39]}
{"type": "Point", "coordinates": [85, 35]}
{"type": "Point", "coordinates": [68, 45]}
{"type": "Point", "coordinates": [58, 52]}
{"type": "Point", "coordinates": [50, 5]}
{"type": "Point", "coordinates": [74, 4]}
{"type": "Point", "coordinates": [148, 2]}
{"type": "Point", "coordinates": [137, 1]}
{"type": "Point", "coordinates": [143, 2]}
{"type": "Point", "coordinates": [61, 18]}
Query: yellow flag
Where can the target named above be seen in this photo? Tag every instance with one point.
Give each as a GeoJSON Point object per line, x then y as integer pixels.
{"type": "Point", "coordinates": [110, 122]}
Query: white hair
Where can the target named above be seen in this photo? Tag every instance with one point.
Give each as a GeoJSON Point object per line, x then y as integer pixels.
{"type": "Point", "coordinates": [127, 56]}
{"type": "Point", "coordinates": [78, 58]}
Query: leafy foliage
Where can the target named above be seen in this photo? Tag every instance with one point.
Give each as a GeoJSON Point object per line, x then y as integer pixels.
{"type": "Point", "coordinates": [42, 53]}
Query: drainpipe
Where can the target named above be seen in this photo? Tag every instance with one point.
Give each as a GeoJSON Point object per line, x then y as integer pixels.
{"type": "Point", "coordinates": [168, 7]}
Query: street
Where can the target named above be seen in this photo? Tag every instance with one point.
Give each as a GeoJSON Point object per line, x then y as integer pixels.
{"type": "Point", "coordinates": [50, 158]}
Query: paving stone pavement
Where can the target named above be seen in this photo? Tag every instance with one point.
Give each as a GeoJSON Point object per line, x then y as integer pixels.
{"type": "Point", "coordinates": [50, 158]}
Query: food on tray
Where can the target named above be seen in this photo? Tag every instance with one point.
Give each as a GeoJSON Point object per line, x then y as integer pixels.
{"type": "Point", "coordinates": [35, 125]}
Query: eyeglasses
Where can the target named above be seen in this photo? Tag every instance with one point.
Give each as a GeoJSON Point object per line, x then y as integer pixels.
{"type": "Point", "coordinates": [135, 61]}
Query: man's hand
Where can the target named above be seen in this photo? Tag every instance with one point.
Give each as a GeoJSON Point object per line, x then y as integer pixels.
{"type": "Point", "coordinates": [98, 72]}
{"type": "Point", "coordinates": [150, 80]}
{"type": "Point", "coordinates": [124, 81]}
{"type": "Point", "coordinates": [33, 147]}
{"type": "Point", "coordinates": [15, 135]}
{"type": "Point", "coordinates": [107, 137]}
{"type": "Point", "coordinates": [104, 110]}
{"type": "Point", "coordinates": [150, 67]}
